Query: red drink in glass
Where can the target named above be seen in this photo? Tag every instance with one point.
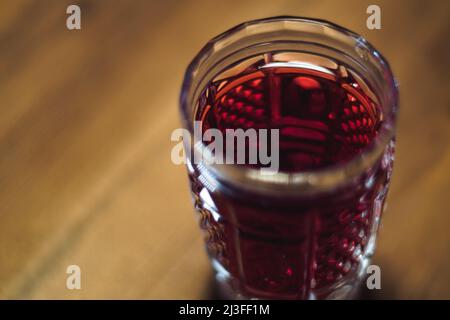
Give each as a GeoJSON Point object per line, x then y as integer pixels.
{"type": "Point", "coordinates": [309, 231]}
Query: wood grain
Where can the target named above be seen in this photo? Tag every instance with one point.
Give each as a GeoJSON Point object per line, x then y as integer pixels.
{"type": "Point", "coordinates": [86, 117]}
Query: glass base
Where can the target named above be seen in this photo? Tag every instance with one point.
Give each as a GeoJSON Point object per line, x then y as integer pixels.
{"type": "Point", "coordinates": [347, 288]}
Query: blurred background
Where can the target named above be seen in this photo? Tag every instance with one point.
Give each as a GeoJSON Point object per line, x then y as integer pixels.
{"type": "Point", "coordinates": [86, 116]}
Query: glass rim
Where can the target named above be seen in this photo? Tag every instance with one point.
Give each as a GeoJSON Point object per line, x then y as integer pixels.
{"type": "Point", "coordinates": [322, 179]}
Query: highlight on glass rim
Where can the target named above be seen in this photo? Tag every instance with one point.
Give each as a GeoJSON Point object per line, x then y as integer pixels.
{"type": "Point", "coordinates": [224, 155]}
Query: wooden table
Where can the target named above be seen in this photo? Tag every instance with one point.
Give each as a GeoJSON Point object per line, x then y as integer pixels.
{"type": "Point", "coordinates": [86, 117]}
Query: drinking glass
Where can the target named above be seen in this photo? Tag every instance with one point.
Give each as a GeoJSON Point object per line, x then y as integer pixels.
{"type": "Point", "coordinates": [307, 231]}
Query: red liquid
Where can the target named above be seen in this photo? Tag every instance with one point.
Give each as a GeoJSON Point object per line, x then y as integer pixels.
{"type": "Point", "coordinates": [294, 247]}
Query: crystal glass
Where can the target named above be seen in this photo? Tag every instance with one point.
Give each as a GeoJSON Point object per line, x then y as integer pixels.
{"type": "Point", "coordinates": [309, 230]}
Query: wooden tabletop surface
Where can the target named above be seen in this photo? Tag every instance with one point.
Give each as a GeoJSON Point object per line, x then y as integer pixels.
{"type": "Point", "coordinates": [86, 117]}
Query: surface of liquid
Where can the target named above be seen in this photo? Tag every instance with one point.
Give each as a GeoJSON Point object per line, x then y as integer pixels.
{"type": "Point", "coordinates": [325, 116]}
